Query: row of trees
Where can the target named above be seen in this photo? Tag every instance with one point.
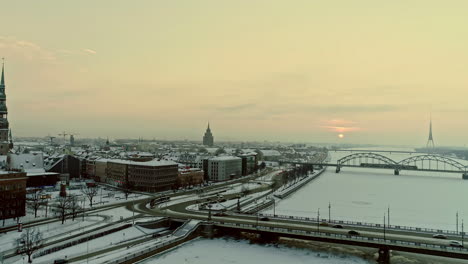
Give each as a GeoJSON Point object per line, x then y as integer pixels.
{"type": "Point", "coordinates": [62, 206]}
{"type": "Point", "coordinates": [290, 176]}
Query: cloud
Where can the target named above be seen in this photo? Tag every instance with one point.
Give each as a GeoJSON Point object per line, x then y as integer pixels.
{"type": "Point", "coordinates": [358, 108]}
{"type": "Point", "coordinates": [340, 126]}
{"type": "Point", "coordinates": [232, 108]}
{"type": "Point", "coordinates": [25, 49]}
{"type": "Point", "coordinates": [89, 51]}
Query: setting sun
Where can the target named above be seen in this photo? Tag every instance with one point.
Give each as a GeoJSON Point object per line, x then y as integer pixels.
{"type": "Point", "coordinates": [341, 136]}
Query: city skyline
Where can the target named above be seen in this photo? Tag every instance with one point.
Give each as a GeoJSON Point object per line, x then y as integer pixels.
{"type": "Point", "coordinates": [256, 70]}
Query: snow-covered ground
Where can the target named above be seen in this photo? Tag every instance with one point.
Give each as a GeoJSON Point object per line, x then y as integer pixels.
{"type": "Point", "coordinates": [110, 240]}
{"type": "Point", "coordinates": [54, 231]}
{"type": "Point", "coordinates": [225, 250]}
{"type": "Point", "coordinates": [105, 196]}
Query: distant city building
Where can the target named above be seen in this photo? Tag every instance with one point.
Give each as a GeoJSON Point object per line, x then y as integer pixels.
{"type": "Point", "coordinates": [224, 168]}
{"type": "Point", "coordinates": [149, 176]}
{"type": "Point", "coordinates": [208, 139]}
{"type": "Point", "coordinates": [33, 165]}
{"type": "Point", "coordinates": [269, 154]}
{"type": "Point", "coordinates": [5, 144]}
{"type": "Point", "coordinates": [12, 194]}
{"type": "Point", "coordinates": [190, 177]}
{"type": "Point", "coordinates": [249, 163]}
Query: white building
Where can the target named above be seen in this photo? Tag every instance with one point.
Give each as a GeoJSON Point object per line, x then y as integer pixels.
{"type": "Point", "coordinates": [224, 168]}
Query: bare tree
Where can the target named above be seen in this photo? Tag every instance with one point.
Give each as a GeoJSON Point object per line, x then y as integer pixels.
{"type": "Point", "coordinates": [74, 206]}
{"type": "Point", "coordinates": [127, 188]}
{"type": "Point", "coordinates": [61, 207]}
{"type": "Point", "coordinates": [90, 193]}
{"type": "Point", "coordinates": [245, 191]}
{"type": "Point", "coordinates": [34, 200]}
{"type": "Point", "coordinates": [29, 242]}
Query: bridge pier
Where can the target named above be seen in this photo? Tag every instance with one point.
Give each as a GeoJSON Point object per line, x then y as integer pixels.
{"type": "Point", "coordinates": [465, 176]}
{"type": "Point", "coordinates": [338, 169]}
{"type": "Point", "coordinates": [396, 172]}
{"type": "Point", "coordinates": [384, 256]}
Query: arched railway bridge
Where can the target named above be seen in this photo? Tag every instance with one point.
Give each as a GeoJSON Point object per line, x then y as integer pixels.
{"type": "Point", "coordinates": [424, 162]}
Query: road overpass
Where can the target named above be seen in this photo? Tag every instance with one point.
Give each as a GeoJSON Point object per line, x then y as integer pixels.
{"type": "Point", "coordinates": [413, 240]}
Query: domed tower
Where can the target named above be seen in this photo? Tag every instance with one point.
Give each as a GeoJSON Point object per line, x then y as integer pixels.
{"type": "Point", "coordinates": [4, 126]}
{"type": "Point", "coordinates": [208, 137]}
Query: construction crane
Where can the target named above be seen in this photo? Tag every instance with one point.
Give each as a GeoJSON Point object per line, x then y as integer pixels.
{"type": "Point", "coordinates": [64, 134]}
{"type": "Point", "coordinates": [72, 138]}
{"type": "Point", "coordinates": [51, 139]}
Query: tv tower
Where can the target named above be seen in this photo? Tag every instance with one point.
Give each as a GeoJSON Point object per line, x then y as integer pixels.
{"type": "Point", "coordinates": [430, 141]}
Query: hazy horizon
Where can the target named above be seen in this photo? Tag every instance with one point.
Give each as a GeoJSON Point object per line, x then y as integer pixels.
{"type": "Point", "coordinates": [289, 71]}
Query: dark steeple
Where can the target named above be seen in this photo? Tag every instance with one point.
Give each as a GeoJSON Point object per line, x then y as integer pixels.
{"type": "Point", "coordinates": [4, 126]}
{"type": "Point", "coordinates": [3, 73]}
{"type": "Point", "coordinates": [2, 82]}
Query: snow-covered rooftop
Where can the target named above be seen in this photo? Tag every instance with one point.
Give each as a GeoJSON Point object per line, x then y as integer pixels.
{"type": "Point", "coordinates": [154, 162]}
{"type": "Point", "coordinates": [219, 158]}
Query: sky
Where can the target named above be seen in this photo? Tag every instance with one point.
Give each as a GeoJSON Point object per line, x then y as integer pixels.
{"type": "Point", "coordinates": [299, 70]}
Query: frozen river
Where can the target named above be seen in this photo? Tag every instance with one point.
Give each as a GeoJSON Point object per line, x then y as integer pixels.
{"type": "Point", "coordinates": [424, 199]}
{"type": "Point", "coordinates": [221, 250]}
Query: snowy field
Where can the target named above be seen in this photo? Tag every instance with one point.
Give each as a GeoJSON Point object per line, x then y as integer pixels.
{"type": "Point", "coordinates": [225, 250]}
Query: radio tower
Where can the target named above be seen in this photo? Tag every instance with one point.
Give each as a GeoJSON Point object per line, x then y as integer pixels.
{"type": "Point", "coordinates": [430, 141]}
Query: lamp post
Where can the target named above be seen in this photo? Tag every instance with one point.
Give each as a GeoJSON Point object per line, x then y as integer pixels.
{"type": "Point", "coordinates": [384, 228]}
{"type": "Point", "coordinates": [463, 235]}
{"type": "Point", "coordinates": [83, 207]}
{"type": "Point", "coordinates": [318, 220]}
{"type": "Point", "coordinates": [329, 212]}
{"type": "Point", "coordinates": [274, 207]}
{"type": "Point", "coordinates": [133, 210]}
{"type": "Point", "coordinates": [209, 212]}
{"type": "Point", "coordinates": [388, 216]}
{"type": "Point", "coordinates": [456, 222]}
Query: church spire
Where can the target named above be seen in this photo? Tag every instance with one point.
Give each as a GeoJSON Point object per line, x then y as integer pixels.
{"type": "Point", "coordinates": [2, 82]}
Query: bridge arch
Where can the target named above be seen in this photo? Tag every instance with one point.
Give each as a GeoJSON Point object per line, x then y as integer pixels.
{"type": "Point", "coordinates": [413, 161]}
{"type": "Point", "coordinates": [366, 156]}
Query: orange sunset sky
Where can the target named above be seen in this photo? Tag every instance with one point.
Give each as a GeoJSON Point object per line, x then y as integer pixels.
{"type": "Point", "coordinates": [300, 70]}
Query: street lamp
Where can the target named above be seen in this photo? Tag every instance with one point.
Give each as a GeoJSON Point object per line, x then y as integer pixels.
{"type": "Point", "coordinates": [133, 210]}
{"type": "Point", "coordinates": [209, 212]}
{"type": "Point", "coordinates": [318, 220]}
{"type": "Point", "coordinates": [456, 222]}
{"type": "Point", "coordinates": [274, 207]}
{"type": "Point", "coordinates": [463, 235]}
{"type": "Point", "coordinates": [388, 216]}
{"type": "Point", "coordinates": [384, 227]}
{"type": "Point", "coordinates": [329, 212]}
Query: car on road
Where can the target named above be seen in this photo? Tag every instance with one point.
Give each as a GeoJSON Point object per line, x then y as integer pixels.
{"type": "Point", "coordinates": [337, 226]}
{"type": "Point", "coordinates": [264, 219]}
{"type": "Point", "coordinates": [439, 236]}
{"type": "Point", "coordinates": [353, 233]}
{"type": "Point", "coordinates": [324, 224]}
{"type": "Point", "coordinates": [454, 243]}
{"type": "Point", "coordinates": [60, 261]}
{"type": "Point", "coordinates": [220, 214]}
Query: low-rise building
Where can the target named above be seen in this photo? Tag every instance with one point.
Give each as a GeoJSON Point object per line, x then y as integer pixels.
{"type": "Point", "coordinates": [12, 194]}
{"type": "Point", "coordinates": [149, 176]}
{"type": "Point", "coordinates": [224, 168]}
{"type": "Point", "coordinates": [269, 155]}
{"type": "Point", "coordinates": [190, 177]}
{"type": "Point", "coordinates": [100, 170]}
